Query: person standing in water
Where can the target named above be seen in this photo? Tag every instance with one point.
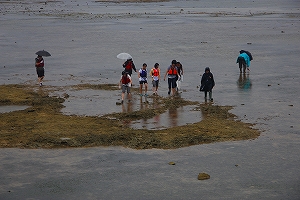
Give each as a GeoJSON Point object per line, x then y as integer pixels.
{"type": "Point", "coordinates": [172, 73]}
{"type": "Point", "coordinates": [39, 65]}
{"type": "Point", "coordinates": [244, 61]}
{"type": "Point", "coordinates": [129, 66]}
{"type": "Point", "coordinates": [207, 83]}
{"type": "Point", "coordinates": [180, 72]}
{"type": "Point", "coordinates": [125, 84]}
{"type": "Point", "coordinates": [142, 75]}
{"type": "Point", "coordinates": [155, 74]}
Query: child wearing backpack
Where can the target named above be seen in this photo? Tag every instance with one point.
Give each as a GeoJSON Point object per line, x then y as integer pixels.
{"type": "Point", "coordinates": [125, 84]}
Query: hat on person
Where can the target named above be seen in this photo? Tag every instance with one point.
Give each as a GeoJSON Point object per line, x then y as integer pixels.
{"type": "Point", "coordinates": [207, 69]}
{"type": "Point", "coordinates": [174, 62]}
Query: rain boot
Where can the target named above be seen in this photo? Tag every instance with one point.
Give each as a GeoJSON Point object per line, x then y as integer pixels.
{"type": "Point", "coordinates": [210, 96]}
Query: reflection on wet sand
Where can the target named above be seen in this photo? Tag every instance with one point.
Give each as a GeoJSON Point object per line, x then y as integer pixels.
{"type": "Point", "coordinates": [244, 82]}
{"type": "Point", "coordinates": [144, 105]}
{"type": "Point", "coordinates": [204, 112]}
{"type": "Point", "coordinates": [173, 117]}
{"type": "Point", "coordinates": [127, 107]}
{"type": "Point", "coordinates": [156, 119]}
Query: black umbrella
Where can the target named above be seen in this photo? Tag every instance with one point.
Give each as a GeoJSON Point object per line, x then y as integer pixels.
{"type": "Point", "coordinates": [248, 53]}
{"type": "Point", "coordinates": [43, 53]}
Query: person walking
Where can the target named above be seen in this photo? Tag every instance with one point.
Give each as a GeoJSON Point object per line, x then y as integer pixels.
{"type": "Point", "coordinates": [129, 66]}
{"type": "Point", "coordinates": [39, 65]}
{"type": "Point", "coordinates": [155, 74]}
{"type": "Point", "coordinates": [125, 84]}
{"type": "Point", "coordinates": [244, 61]}
{"type": "Point", "coordinates": [207, 83]}
{"type": "Point", "coordinates": [180, 72]}
{"type": "Point", "coordinates": [172, 73]}
{"type": "Point", "coordinates": [142, 75]}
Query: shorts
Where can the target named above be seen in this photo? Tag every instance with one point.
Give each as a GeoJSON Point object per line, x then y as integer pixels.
{"type": "Point", "coordinates": [125, 88]}
{"type": "Point", "coordinates": [40, 71]}
{"type": "Point", "coordinates": [155, 83]}
{"type": "Point", "coordinates": [143, 82]}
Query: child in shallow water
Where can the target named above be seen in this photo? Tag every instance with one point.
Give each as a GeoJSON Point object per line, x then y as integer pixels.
{"type": "Point", "coordinates": [142, 75]}
{"type": "Point", "coordinates": [155, 74]}
{"type": "Point", "coordinates": [207, 83]}
{"type": "Point", "coordinates": [125, 84]}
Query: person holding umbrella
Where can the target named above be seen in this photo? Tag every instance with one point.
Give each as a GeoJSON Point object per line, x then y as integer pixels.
{"type": "Point", "coordinates": [39, 65]}
{"type": "Point", "coordinates": [129, 66]}
{"type": "Point", "coordinates": [244, 60]}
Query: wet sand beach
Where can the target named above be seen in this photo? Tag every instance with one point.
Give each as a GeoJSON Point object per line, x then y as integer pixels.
{"type": "Point", "coordinates": [84, 39]}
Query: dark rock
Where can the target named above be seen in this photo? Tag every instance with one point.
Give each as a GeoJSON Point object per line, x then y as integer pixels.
{"type": "Point", "coordinates": [203, 176]}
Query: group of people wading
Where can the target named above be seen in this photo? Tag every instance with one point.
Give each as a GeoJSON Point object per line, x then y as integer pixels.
{"type": "Point", "coordinates": [174, 73]}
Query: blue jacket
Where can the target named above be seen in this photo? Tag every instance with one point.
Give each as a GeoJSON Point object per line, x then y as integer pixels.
{"type": "Point", "coordinates": [246, 58]}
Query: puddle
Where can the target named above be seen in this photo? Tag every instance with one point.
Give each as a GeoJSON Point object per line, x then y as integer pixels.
{"type": "Point", "coordinates": [6, 109]}
{"type": "Point", "coordinates": [171, 118]}
{"type": "Point", "coordinates": [101, 102]}
{"type": "Point", "coordinates": [91, 102]}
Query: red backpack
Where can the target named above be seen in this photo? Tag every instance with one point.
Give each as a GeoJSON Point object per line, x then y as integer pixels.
{"type": "Point", "coordinates": [128, 65]}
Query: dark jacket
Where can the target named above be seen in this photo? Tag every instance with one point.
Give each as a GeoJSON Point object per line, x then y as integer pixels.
{"type": "Point", "coordinates": [129, 65]}
{"type": "Point", "coordinates": [207, 82]}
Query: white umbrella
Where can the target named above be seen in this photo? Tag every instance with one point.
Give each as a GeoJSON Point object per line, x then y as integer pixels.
{"type": "Point", "coordinates": [124, 56]}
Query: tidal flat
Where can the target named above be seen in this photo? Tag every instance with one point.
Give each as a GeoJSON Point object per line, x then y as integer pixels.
{"type": "Point", "coordinates": [42, 125]}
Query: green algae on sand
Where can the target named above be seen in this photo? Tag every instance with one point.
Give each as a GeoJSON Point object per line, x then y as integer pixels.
{"type": "Point", "coordinates": [42, 125]}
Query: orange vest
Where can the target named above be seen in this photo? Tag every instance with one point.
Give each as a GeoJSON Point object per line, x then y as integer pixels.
{"type": "Point", "coordinates": [172, 71]}
{"type": "Point", "coordinates": [155, 72]}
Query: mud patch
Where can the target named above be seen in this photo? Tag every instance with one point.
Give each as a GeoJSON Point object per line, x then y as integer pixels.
{"type": "Point", "coordinates": [5, 109]}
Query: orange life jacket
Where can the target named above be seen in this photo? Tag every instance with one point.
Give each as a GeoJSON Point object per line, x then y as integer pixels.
{"type": "Point", "coordinates": [172, 71]}
{"type": "Point", "coordinates": [155, 72]}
